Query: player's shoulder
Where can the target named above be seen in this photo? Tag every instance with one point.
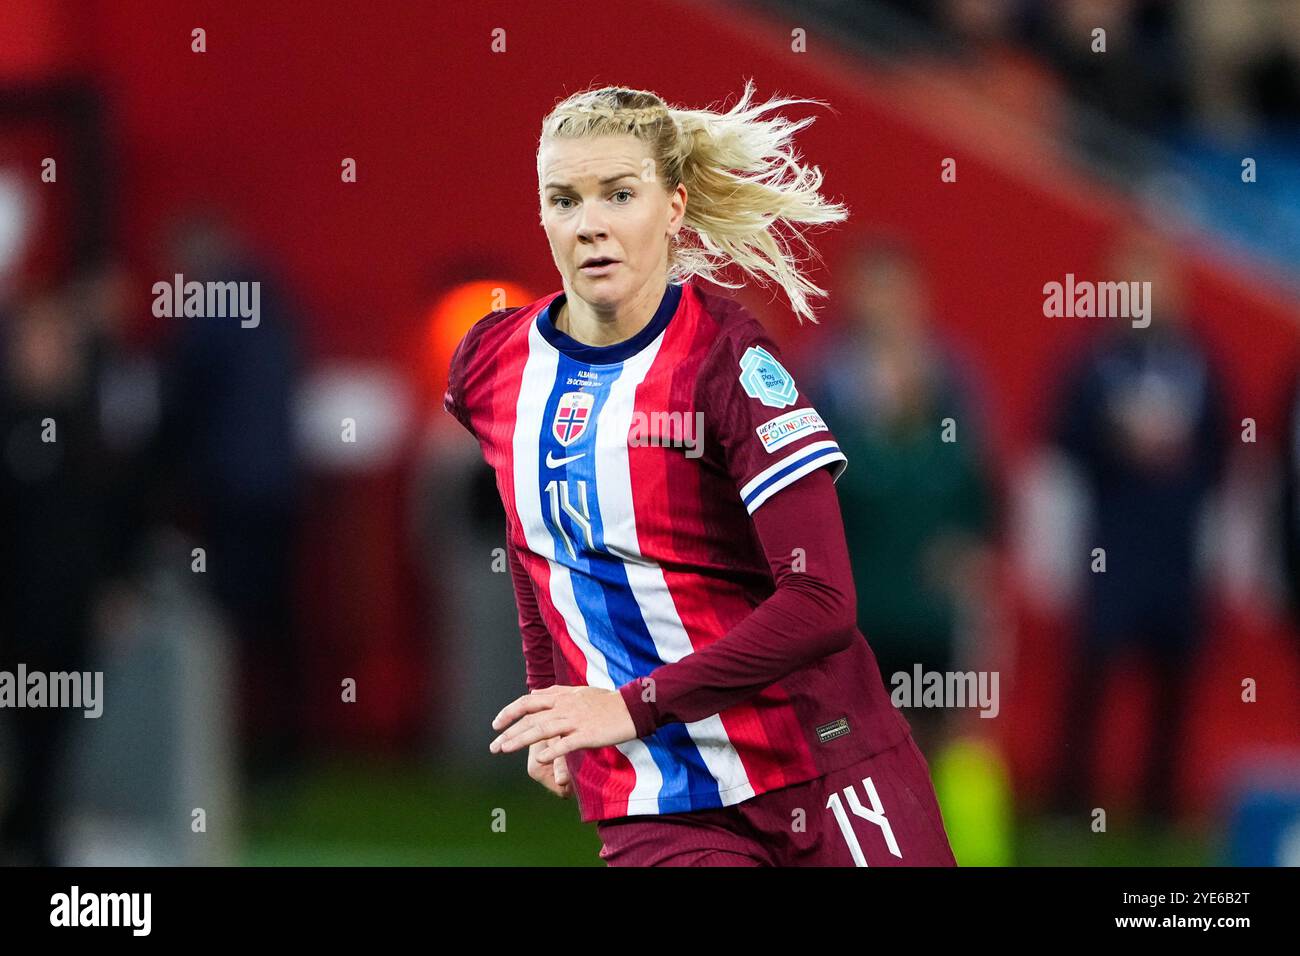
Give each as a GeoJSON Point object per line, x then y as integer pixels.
{"type": "Point", "coordinates": [473, 359]}
{"type": "Point", "coordinates": [734, 327]}
{"type": "Point", "coordinates": [740, 349]}
{"type": "Point", "coordinates": [729, 316]}
{"type": "Point", "coordinates": [485, 330]}
{"type": "Point", "coordinates": [482, 342]}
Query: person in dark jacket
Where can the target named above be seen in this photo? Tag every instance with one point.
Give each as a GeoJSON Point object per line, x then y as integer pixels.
{"type": "Point", "coordinates": [1144, 420]}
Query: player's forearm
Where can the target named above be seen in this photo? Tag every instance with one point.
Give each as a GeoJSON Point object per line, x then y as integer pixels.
{"type": "Point", "coordinates": [788, 631]}
{"type": "Point", "coordinates": [811, 614]}
{"type": "Point", "coordinates": [539, 664]}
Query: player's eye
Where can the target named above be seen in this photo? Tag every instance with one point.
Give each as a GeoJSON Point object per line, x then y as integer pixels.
{"type": "Point", "coordinates": [629, 196]}
{"type": "Point", "coordinates": [556, 200]}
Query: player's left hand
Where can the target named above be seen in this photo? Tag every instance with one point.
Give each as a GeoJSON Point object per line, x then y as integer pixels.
{"type": "Point", "coordinates": [578, 717]}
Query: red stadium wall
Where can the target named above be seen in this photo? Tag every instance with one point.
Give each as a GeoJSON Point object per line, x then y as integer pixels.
{"type": "Point", "coordinates": [443, 131]}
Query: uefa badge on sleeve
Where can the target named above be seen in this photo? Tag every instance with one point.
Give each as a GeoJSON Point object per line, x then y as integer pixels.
{"type": "Point", "coordinates": [766, 379]}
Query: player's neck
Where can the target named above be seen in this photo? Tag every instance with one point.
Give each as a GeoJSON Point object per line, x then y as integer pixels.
{"type": "Point", "coordinates": [580, 321]}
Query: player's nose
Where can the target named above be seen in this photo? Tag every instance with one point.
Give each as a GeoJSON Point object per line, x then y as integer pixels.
{"type": "Point", "coordinates": [591, 225]}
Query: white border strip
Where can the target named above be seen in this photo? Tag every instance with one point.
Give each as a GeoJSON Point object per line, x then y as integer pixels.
{"type": "Point", "coordinates": [817, 460]}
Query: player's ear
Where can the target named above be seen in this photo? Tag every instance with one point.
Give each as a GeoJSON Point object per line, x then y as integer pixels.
{"type": "Point", "coordinates": [677, 203]}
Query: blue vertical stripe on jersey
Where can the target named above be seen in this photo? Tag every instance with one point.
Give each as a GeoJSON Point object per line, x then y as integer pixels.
{"type": "Point", "coordinates": [613, 618]}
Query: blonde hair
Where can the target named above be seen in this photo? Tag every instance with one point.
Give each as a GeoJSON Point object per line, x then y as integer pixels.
{"type": "Point", "coordinates": [746, 186]}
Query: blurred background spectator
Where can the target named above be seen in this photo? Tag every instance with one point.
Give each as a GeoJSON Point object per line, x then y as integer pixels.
{"type": "Point", "coordinates": [1144, 419]}
{"type": "Point", "coordinates": [918, 509]}
{"type": "Point", "coordinates": [228, 400]}
{"type": "Point", "coordinates": [70, 533]}
{"type": "Point", "coordinates": [1289, 512]}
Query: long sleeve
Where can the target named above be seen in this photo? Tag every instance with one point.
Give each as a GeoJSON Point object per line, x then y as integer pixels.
{"type": "Point", "coordinates": [538, 660]}
{"type": "Point", "coordinates": [810, 615]}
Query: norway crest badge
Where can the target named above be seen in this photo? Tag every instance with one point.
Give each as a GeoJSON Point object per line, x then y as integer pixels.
{"type": "Point", "coordinates": [571, 416]}
{"type": "Point", "coordinates": [766, 379]}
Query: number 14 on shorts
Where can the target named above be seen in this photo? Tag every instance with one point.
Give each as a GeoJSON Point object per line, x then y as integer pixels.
{"type": "Point", "coordinates": [875, 814]}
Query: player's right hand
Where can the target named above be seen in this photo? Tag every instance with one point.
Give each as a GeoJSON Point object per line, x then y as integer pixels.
{"type": "Point", "coordinates": [554, 776]}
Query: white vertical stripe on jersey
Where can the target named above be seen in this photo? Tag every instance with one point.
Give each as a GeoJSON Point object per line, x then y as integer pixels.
{"type": "Point", "coordinates": [646, 578]}
{"type": "Point", "coordinates": [537, 381]}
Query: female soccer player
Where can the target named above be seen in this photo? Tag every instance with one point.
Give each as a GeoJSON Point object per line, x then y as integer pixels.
{"type": "Point", "coordinates": [694, 668]}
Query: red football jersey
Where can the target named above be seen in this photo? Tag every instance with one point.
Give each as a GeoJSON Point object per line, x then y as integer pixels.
{"type": "Point", "coordinates": [629, 474]}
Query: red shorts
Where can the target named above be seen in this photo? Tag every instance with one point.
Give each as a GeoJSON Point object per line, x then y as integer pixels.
{"type": "Point", "coordinates": [880, 811]}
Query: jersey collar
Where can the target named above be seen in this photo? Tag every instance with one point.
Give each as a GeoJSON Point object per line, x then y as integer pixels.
{"type": "Point", "coordinates": [608, 354]}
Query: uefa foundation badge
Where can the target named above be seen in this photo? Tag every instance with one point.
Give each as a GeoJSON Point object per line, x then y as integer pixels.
{"type": "Point", "coordinates": [766, 379]}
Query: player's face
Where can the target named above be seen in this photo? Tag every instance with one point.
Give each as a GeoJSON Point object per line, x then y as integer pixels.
{"type": "Point", "coordinates": [601, 197]}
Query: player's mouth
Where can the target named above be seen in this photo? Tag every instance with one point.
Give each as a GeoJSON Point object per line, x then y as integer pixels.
{"type": "Point", "coordinates": [598, 266]}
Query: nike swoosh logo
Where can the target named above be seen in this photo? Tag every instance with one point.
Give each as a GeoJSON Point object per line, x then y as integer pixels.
{"type": "Point", "coordinates": [557, 462]}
